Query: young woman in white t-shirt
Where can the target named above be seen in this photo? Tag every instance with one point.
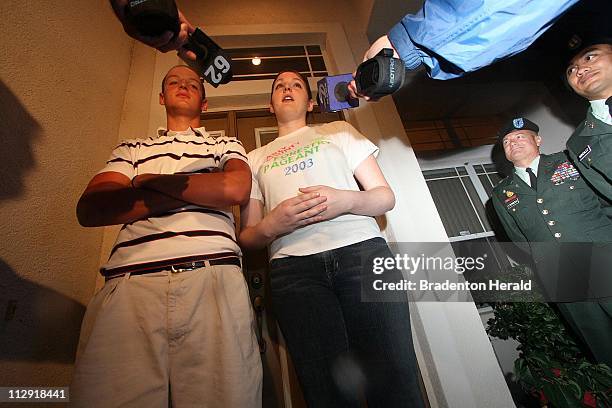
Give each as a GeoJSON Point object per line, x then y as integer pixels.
{"type": "Point", "coordinates": [307, 205]}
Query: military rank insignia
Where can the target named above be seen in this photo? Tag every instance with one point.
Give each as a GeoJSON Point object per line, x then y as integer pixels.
{"type": "Point", "coordinates": [565, 171]}
{"type": "Point", "coordinates": [511, 199]}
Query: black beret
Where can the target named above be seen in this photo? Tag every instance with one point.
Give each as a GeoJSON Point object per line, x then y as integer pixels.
{"type": "Point", "coordinates": [517, 124]}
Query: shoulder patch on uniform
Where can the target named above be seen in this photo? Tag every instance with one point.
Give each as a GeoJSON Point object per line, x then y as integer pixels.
{"type": "Point", "coordinates": [518, 123]}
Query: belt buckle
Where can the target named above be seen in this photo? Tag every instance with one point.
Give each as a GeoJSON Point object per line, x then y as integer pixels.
{"type": "Point", "coordinates": [179, 270]}
{"type": "Point", "coordinates": [176, 270]}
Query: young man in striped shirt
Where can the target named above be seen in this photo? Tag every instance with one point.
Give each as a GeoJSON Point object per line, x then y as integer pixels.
{"type": "Point", "coordinates": [173, 321]}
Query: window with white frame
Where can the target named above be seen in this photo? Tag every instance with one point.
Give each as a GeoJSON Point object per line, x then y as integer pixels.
{"type": "Point", "coordinates": [460, 194]}
{"type": "Point", "coordinates": [266, 62]}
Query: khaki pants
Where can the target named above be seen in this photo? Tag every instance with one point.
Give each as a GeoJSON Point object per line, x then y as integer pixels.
{"type": "Point", "coordinates": [186, 337]}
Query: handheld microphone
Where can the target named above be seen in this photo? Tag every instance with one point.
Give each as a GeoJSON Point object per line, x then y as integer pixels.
{"type": "Point", "coordinates": [211, 61]}
{"type": "Point", "coordinates": [333, 93]}
{"type": "Point", "coordinates": [154, 17]}
{"type": "Point", "coordinates": [375, 78]}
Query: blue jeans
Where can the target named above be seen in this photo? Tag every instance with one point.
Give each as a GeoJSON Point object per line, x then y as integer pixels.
{"type": "Point", "coordinates": [344, 349]}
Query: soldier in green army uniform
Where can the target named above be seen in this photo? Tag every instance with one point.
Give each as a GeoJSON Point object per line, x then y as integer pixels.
{"type": "Point", "coordinates": [546, 205]}
{"type": "Point", "coordinates": [589, 74]}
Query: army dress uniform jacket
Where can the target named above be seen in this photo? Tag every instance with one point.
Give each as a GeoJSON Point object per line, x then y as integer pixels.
{"type": "Point", "coordinates": [590, 148]}
{"type": "Point", "coordinates": [562, 208]}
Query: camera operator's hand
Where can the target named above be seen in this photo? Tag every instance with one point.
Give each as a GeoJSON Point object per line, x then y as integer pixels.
{"type": "Point", "coordinates": [163, 43]}
{"type": "Point", "coordinates": [379, 44]}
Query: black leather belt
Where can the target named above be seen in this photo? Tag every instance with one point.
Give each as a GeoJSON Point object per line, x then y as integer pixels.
{"type": "Point", "coordinates": [182, 267]}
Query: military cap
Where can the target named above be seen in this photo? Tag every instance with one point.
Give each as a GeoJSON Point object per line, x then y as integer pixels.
{"type": "Point", "coordinates": [517, 124]}
{"type": "Point", "coordinates": [579, 41]}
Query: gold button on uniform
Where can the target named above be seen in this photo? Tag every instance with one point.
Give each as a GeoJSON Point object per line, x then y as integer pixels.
{"type": "Point", "coordinates": [545, 212]}
{"type": "Point", "coordinates": [557, 235]}
{"type": "Point", "coordinates": [540, 201]}
{"type": "Point", "coordinates": [551, 223]}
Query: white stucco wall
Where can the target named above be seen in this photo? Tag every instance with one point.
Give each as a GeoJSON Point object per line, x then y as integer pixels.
{"type": "Point", "coordinates": [63, 72]}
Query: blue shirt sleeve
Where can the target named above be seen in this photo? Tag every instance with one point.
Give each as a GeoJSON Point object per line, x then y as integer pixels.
{"type": "Point", "coordinates": [452, 37]}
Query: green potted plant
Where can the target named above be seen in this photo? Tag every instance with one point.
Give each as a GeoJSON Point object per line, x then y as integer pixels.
{"type": "Point", "coordinates": [550, 365]}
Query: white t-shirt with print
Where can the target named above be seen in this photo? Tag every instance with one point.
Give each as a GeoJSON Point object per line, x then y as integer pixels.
{"type": "Point", "coordinates": [327, 155]}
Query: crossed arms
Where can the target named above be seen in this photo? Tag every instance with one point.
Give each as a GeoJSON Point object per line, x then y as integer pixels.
{"type": "Point", "coordinates": [112, 198]}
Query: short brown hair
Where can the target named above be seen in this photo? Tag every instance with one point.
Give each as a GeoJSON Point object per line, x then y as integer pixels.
{"type": "Point", "coordinates": [163, 82]}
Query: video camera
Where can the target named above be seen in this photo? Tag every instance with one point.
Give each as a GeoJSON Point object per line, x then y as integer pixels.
{"type": "Point", "coordinates": [155, 17]}
{"type": "Point", "coordinates": [375, 78]}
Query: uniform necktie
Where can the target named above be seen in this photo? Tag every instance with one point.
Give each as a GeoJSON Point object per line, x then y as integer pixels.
{"type": "Point", "coordinates": [609, 103]}
{"type": "Point", "coordinates": [532, 178]}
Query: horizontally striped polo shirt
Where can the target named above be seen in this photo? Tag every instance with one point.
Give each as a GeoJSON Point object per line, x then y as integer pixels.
{"type": "Point", "coordinates": [185, 234]}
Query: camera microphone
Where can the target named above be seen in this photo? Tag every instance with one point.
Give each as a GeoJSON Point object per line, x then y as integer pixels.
{"type": "Point", "coordinates": [375, 78]}
{"type": "Point", "coordinates": [155, 17]}
{"type": "Point", "coordinates": [380, 76]}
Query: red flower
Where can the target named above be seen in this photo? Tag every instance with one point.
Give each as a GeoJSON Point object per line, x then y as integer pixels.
{"type": "Point", "coordinates": [556, 372]}
{"type": "Point", "coordinates": [589, 399]}
{"type": "Point", "coordinates": [543, 399]}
